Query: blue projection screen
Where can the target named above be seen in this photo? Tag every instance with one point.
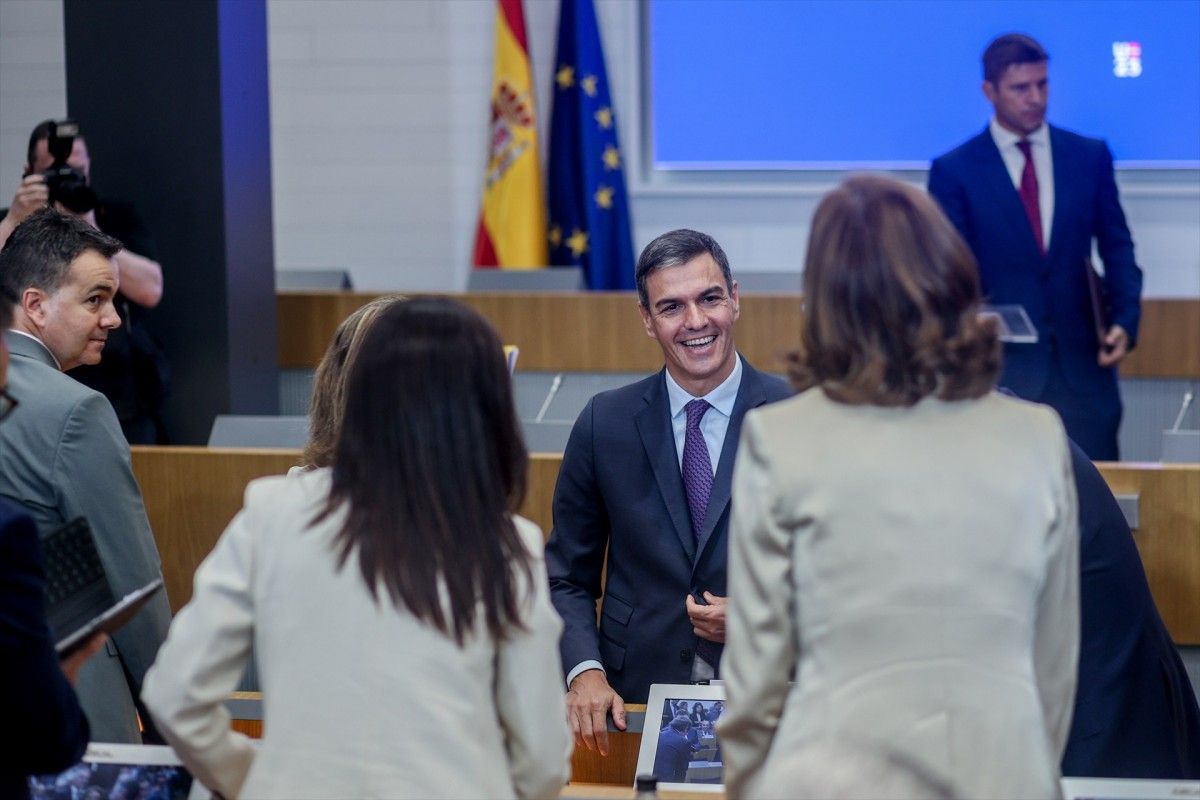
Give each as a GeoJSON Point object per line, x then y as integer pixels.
{"type": "Point", "coordinates": [833, 84]}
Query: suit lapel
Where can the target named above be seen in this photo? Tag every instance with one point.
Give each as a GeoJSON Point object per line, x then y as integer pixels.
{"type": "Point", "coordinates": [750, 395]}
{"type": "Point", "coordinates": [999, 186]}
{"type": "Point", "coordinates": [654, 426]}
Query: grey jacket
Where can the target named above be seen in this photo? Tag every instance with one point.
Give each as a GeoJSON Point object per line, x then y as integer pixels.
{"type": "Point", "coordinates": [62, 455]}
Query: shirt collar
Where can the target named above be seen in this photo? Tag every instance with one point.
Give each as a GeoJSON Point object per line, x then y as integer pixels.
{"type": "Point", "coordinates": [40, 344]}
{"type": "Point", "coordinates": [721, 398]}
{"type": "Point", "coordinates": [1003, 137]}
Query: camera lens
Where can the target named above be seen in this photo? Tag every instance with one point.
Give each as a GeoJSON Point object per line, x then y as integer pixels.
{"type": "Point", "coordinates": [68, 187]}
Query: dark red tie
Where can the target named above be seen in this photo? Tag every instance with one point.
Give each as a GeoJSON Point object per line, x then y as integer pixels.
{"type": "Point", "coordinates": [1029, 196]}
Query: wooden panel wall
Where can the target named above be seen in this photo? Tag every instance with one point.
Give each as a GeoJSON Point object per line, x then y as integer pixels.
{"type": "Point", "coordinates": [192, 493]}
{"type": "Point", "coordinates": [590, 331]}
{"type": "Point", "coordinates": [602, 332]}
{"type": "Point", "coordinates": [1168, 537]}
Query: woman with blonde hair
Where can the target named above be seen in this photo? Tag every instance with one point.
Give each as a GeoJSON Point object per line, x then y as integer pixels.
{"type": "Point", "coordinates": [329, 381]}
{"type": "Point", "coordinates": [904, 542]}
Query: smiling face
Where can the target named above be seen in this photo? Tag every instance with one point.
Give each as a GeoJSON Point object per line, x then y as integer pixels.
{"type": "Point", "coordinates": [73, 321]}
{"type": "Point", "coordinates": [691, 313]}
{"type": "Point", "coordinates": [1020, 97]}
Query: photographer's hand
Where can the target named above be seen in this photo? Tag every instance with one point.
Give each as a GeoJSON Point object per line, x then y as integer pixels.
{"type": "Point", "coordinates": [31, 195]}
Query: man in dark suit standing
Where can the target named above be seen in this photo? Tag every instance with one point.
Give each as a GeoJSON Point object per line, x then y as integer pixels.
{"type": "Point", "coordinates": [646, 479]}
{"type": "Point", "coordinates": [674, 751]}
{"type": "Point", "coordinates": [1029, 199]}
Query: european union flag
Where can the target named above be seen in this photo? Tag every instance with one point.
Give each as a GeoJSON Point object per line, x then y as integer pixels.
{"type": "Point", "coordinates": [589, 213]}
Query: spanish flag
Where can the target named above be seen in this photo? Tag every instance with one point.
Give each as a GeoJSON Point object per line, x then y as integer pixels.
{"type": "Point", "coordinates": [512, 224]}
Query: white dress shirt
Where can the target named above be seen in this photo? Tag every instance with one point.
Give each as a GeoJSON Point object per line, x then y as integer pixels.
{"type": "Point", "coordinates": [1043, 167]}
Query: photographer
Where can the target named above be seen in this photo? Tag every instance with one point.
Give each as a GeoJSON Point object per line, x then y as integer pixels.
{"type": "Point", "coordinates": [133, 372]}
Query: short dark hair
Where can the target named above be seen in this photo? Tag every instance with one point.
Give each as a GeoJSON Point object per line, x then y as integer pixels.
{"type": "Point", "coordinates": [39, 252]}
{"type": "Point", "coordinates": [7, 301]}
{"type": "Point", "coordinates": [40, 132]}
{"type": "Point", "coordinates": [674, 248]}
{"type": "Point", "coordinates": [431, 467]}
{"type": "Point", "coordinates": [1009, 49]}
{"type": "Point", "coordinates": [892, 301]}
{"type": "Point", "coordinates": [681, 723]}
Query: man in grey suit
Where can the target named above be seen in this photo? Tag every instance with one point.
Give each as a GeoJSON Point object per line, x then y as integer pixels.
{"type": "Point", "coordinates": [62, 453]}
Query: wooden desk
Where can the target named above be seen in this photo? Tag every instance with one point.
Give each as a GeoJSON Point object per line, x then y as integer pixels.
{"type": "Point", "coordinates": [587, 766]}
{"type": "Point", "coordinates": [602, 332]}
{"type": "Point", "coordinates": [1167, 536]}
{"type": "Point", "coordinates": [192, 493]}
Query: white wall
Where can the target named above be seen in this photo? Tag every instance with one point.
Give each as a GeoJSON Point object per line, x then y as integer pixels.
{"type": "Point", "coordinates": [379, 115]}
{"type": "Point", "coordinates": [33, 80]}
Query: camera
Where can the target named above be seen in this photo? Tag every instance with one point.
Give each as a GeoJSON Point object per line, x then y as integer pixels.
{"type": "Point", "coordinates": [67, 185]}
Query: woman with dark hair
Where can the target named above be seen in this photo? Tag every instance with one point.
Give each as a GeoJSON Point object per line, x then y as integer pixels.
{"type": "Point", "coordinates": [398, 608]}
{"type": "Point", "coordinates": [904, 539]}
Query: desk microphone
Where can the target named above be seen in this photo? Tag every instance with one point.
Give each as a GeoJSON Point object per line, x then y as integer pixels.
{"type": "Point", "coordinates": [1187, 401]}
{"type": "Point", "coordinates": [554, 384]}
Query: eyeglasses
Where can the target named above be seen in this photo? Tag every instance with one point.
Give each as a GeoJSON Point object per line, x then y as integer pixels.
{"type": "Point", "coordinates": [7, 404]}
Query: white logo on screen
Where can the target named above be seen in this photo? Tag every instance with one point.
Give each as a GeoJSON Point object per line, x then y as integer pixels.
{"type": "Point", "coordinates": [1127, 59]}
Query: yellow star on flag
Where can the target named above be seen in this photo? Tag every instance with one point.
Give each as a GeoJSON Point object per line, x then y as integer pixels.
{"type": "Point", "coordinates": [555, 236]}
{"type": "Point", "coordinates": [589, 85]}
{"type": "Point", "coordinates": [578, 242]}
{"type": "Point", "coordinates": [604, 196]}
{"type": "Point", "coordinates": [612, 158]}
{"type": "Point", "coordinates": [604, 117]}
{"type": "Point", "coordinates": [565, 76]}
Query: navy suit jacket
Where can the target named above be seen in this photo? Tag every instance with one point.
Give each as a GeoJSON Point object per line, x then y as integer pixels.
{"type": "Point", "coordinates": [620, 492]}
{"type": "Point", "coordinates": [974, 189]}
{"type": "Point", "coordinates": [48, 730]}
{"type": "Point", "coordinates": [1135, 712]}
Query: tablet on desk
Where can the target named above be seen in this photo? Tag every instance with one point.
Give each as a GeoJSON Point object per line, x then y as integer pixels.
{"type": "Point", "coordinates": [1129, 789]}
{"type": "Point", "coordinates": [111, 620]}
{"type": "Point", "coordinates": [131, 771]}
{"type": "Point", "coordinates": [687, 761]}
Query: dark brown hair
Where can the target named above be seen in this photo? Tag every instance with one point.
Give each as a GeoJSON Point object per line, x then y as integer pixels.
{"type": "Point", "coordinates": [329, 382]}
{"type": "Point", "coordinates": [672, 249]}
{"type": "Point", "coordinates": [7, 301]}
{"type": "Point", "coordinates": [40, 250]}
{"type": "Point", "coordinates": [1011, 48]}
{"type": "Point", "coordinates": [891, 301]}
{"type": "Point", "coordinates": [431, 465]}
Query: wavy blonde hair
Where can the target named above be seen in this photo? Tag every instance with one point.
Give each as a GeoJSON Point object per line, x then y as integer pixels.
{"type": "Point", "coordinates": [328, 399]}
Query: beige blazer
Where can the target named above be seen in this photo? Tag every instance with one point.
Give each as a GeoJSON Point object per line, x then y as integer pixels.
{"type": "Point", "coordinates": [916, 571]}
{"type": "Point", "coordinates": [359, 700]}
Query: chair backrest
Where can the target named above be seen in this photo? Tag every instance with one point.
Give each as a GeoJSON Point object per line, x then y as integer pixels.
{"type": "Point", "coordinates": [230, 430]}
{"type": "Point", "coordinates": [292, 279]}
{"type": "Point", "coordinates": [552, 279]}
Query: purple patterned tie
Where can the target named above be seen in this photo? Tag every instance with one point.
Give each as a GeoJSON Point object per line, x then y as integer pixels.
{"type": "Point", "coordinates": [697, 467]}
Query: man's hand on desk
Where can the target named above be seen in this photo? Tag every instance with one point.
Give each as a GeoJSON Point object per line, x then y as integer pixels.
{"type": "Point", "coordinates": [708, 621]}
{"type": "Point", "coordinates": [588, 703]}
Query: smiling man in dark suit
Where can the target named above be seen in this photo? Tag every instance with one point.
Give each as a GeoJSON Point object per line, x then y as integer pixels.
{"type": "Point", "coordinates": [645, 479]}
{"type": "Point", "coordinates": [1029, 199]}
